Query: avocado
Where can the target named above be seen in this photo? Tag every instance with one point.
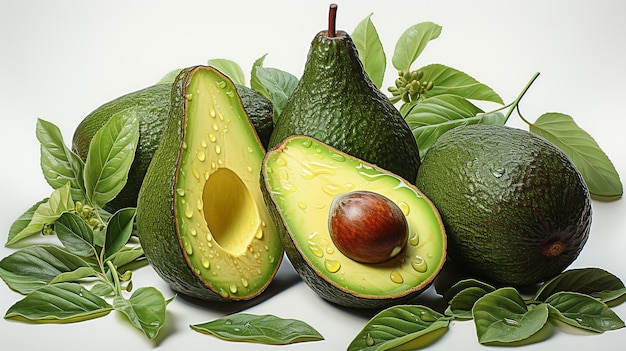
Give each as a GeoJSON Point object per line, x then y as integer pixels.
{"type": "Point", "coordinates": [516, 210]}
{"type": "Point", "coordinates": [336, 102]}
{"type": "Point", "coordinates": [152, 104]}
{"type": "Point", "coordinates": [303, 179]}
{"type": "Point", "coordinates": [201, 217]}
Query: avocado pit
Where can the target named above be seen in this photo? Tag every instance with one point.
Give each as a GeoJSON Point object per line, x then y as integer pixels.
{"type": "Point", "coordinates": [367, 227]}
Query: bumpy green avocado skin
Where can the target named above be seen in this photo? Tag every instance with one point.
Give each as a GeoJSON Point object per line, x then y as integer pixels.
{"type": "Point", "coordinates": [153, 104]}
{"type": "Point", "coordinates": [162, 185]}
{"type": "Point", "coordinates": [516, 210]}
{"type": "Point", "coordinates": [336, 102]}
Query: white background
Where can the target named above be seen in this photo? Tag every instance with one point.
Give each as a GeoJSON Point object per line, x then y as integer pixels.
{"type": "Point", "coordinates": [59, 60]}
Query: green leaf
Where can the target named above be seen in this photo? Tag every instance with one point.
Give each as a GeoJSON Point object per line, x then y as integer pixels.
{"type": "Point", "coordinates": [229, 68]}
{"type": "Point", "coordinates": [22, 221]}
{"type": "Point", "coordinates": [447, 80]}
{"type": "Point", "coordinates": [102, 289]}
{"type": "Point", "coordinates": [75, 234]}
{"type": "Point", "coordinates": [58, 303]}
{"type": "Point", "coordinates": [611, 297]}
{"type": "Point", "coordinates": [462, 303]}
{"type": "Point", "coordinates": [370, 48]}
{"type": "Point", "coordinates": [59, 164]}
{"type": "Point", "coordinates": [597, 170]}
{"type": "Point", "coordinates": [145, 309]}
{"type": "Point", "coordinates": [265, 329]}
{"type": "Point", "coordinates": [74, 276]}
{"type": "Point", "coordinates": [398, 326]}
{"type": "Point", "coordinates": [169, 77]}
{"type": "Point", "coordinates": [278, 84]}
{"type": "Point", "coordinates": [583, 311]}
{"type": "Point", "coordinates": [119, 229]}
{"type": "Point", "coordinates": [502, 317]}
{"type": "Point", "coordinates": [464, 284]}
{"type": "Point", "coordinates": [110, 156]}
{"type": "Point", "coordinates": [255, 83]}
{"type": "Point", "coordinates": [428, 119]}
{"type": "Point", "coordinates": [582, 280]}
{"type": "Point", "coordinates": [59, 202]}
{"type": "Point", "coordinates": [34, 266]}
{"type": "Point", "coordinates": [411, 44]}
{"type": "Point", "coordinates": [127, 255]}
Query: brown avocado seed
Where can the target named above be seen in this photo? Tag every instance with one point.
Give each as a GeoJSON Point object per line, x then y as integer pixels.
{"type": "Point", "coordinates": [367, 227]}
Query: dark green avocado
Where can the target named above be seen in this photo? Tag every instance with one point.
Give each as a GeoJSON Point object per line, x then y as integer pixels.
{"type": "Point", "coordinates": [516, 209]}
{"type": "Point", "coordinates": [335, 102]}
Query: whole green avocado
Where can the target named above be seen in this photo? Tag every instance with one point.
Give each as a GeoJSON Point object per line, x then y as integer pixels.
{"type": "Point", "coordinates": [516, 210]}
{"type": "Point", "coordinates": [335, 102]}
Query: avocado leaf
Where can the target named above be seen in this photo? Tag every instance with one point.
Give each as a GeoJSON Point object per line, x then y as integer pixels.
{"type": "Point", "coordinates": [598, 171]}
{"type": "Point", "coordinates": [370, 48]}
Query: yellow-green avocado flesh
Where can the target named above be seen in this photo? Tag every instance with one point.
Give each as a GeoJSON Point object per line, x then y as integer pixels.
{"type": "Point", "coordinates": [302, 176]}
{"type": "Point", "coordinates": [201, 217]}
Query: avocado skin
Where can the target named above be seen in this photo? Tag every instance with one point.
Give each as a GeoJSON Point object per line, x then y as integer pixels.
{"type": "Point", "coordinates": [335, 102]}
{"type": "Point", "coordinates": [156, 228]}
{"type": "Point", "coordinates": [153, 105]}
{"type": "Point", "coordinates": [505, 195]}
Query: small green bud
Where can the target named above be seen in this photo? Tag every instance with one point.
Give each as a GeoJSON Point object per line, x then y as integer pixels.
{"type": "Point", "coordinates": [79, 206]}
{"type": "Point", "coordinates": [126, 276]}
{"type": "Point", "coordinates": [429, 86]}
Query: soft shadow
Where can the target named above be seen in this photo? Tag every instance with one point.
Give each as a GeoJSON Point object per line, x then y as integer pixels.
{"type": "Point", "coordinates": [285, 278]}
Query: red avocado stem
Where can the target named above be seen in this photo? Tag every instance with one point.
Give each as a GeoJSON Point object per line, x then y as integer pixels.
{"type": "Point", "coordinates": [332, 17]}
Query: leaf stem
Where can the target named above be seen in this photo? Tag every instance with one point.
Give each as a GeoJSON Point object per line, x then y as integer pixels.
{"type": "Point", "coordinates": [116, 279]}
{"type": "Point", "coordinates": [515, 103]}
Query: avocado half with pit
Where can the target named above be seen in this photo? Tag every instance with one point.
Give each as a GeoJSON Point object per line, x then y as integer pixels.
{"type": "Point", "coordinates": [305, 181]}
{"type": "Point", "coordinates": [201, 217]}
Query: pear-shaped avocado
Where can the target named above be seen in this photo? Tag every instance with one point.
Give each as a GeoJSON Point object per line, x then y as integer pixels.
{"type": "Point", "coordinates": [152, 105]}
{"type": "Point", "coordinates": [201, 216]}
{"type": "Point", "coordinates": [317, 192]}
{"type": "Point", "coordinates": [516, 209]}
{"type": "Point", "coordinates": [335, 102]}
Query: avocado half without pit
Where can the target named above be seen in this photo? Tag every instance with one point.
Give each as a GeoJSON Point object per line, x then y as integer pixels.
{"type": "Point", "coordinates": [358, 235]}
{"type": "Point", "coordinates": [201, 217]}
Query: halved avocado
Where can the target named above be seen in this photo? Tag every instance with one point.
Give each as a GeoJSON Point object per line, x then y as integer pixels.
{"type": "Point", "coordinates": [302, 176]}
{"type": "Point", "coordinates": [201, 217]}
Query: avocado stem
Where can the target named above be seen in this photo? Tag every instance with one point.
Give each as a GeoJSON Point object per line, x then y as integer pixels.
{"type": "Point", "coordinates": [332, 18]}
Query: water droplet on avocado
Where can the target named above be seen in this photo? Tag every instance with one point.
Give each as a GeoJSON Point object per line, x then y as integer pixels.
{"type": "Point", "coordinates": [404, 207]}
{"type": "Point", "coordinates": [338, 157]}
{"type": "Point", "coordinates": [332, 266]}
{"type": "Point", "coordinates": [199, 204]}
{"type": "Point", "coordinates": [188, 97]}
{"type": "Point", "coordinates": [180, 192]}
{"type": "Point", "coordinates": [188, 210]}
{"type": "Point", "coordinates": [203, 143]}
{"type": "Point", "coordinates": [498, 172]}
{"type": "Point", "coordinates": [212, 137]}
{"type": "Point", "coordinates": [396, 277]}
{"type": "Point", "coordinates": [414, 239]}
{"type": "Point", "coordinates": [188, 248]}
{"type": "Point", "coordinates": [215, 127]}
{"type": "Point", "coordinates": [201, 155]}
{"type": "Point", "coordinates": [206, 263]}
{"type": "Point", "coordinates": [419, 264]}
{"type": "Point", "coordinates": [331, 189]}
{"type": "Point", "coordinates": [221, 84]}
{"type": "Point", "coordinates": [193, 231]}
{"type": "Point", "coordinates": [307, 143]}
{"type": "Point", "coordinates": [233, 288]}
{"type": "Point", "coordinates": [218, 149]}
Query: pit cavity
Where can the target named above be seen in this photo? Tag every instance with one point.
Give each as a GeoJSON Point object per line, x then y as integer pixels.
{"type": "Point", "coordinates": [230, 211]}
